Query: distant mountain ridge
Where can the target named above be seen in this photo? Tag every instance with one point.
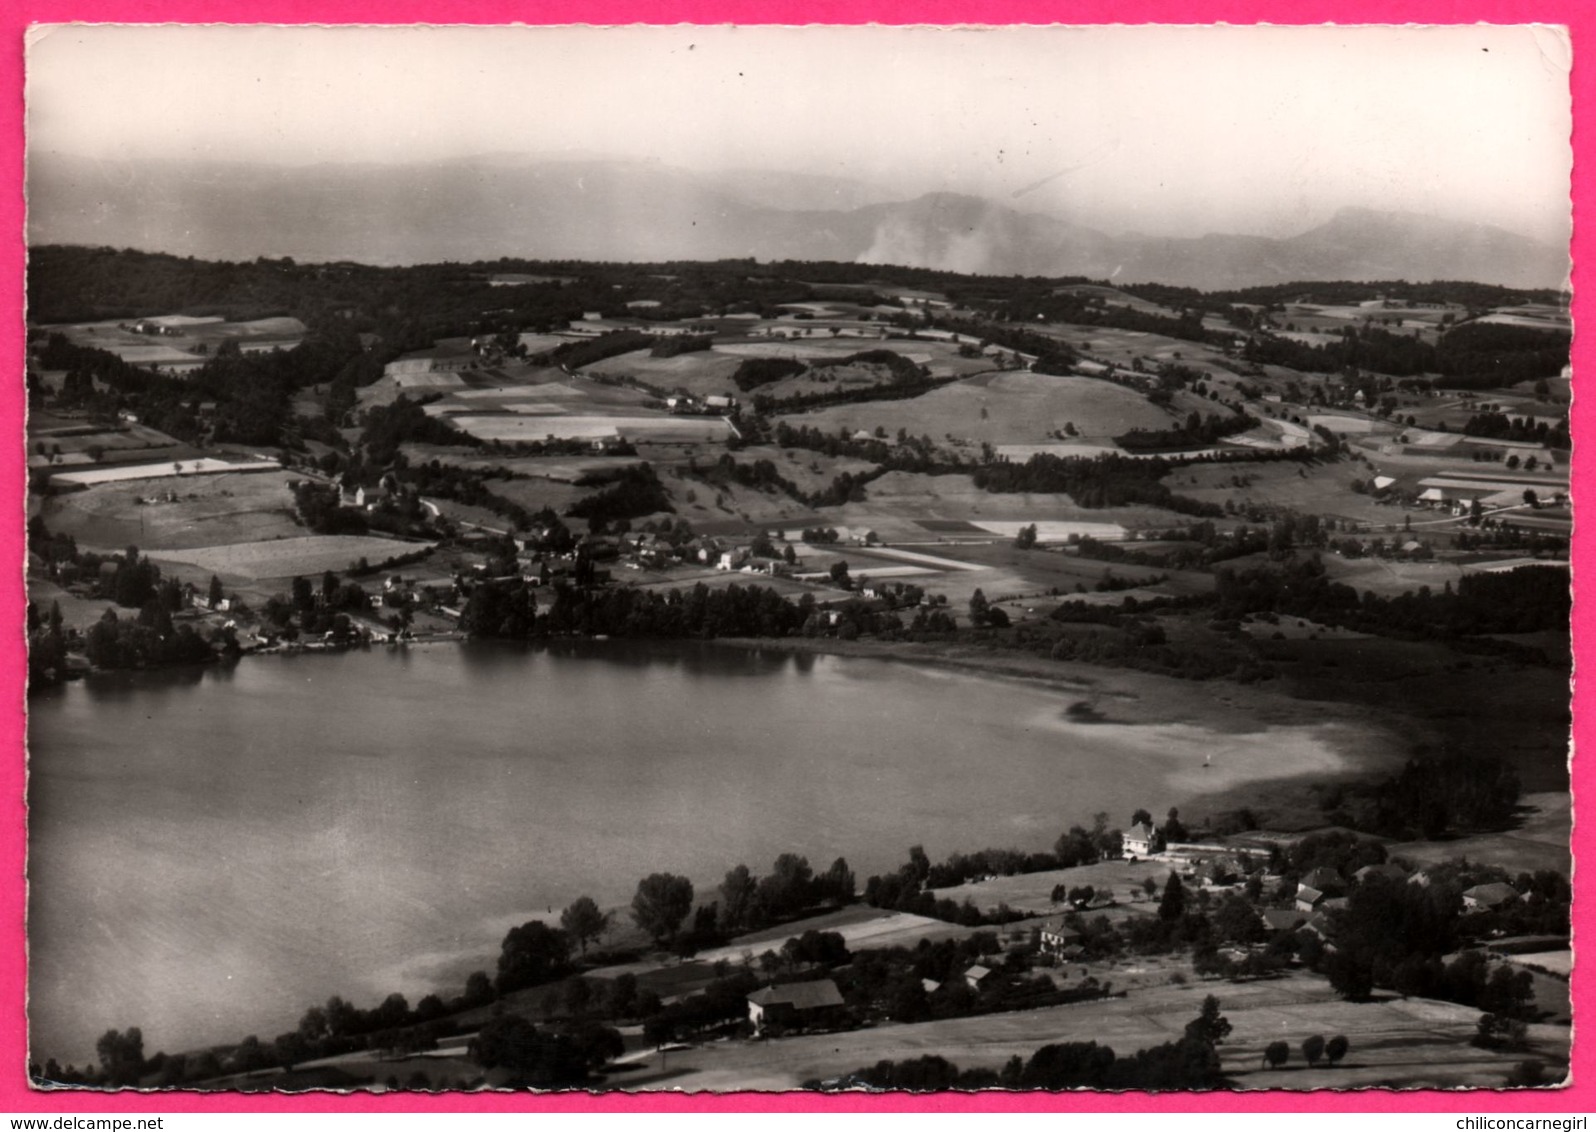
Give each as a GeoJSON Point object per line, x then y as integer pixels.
{"type": "Point", "coordinates": [597, 208]}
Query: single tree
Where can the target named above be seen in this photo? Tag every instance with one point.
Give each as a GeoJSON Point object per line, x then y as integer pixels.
{"type": "Point", "coordinates": [1210, 1025]}
{"type": "Point", "coordinates": [1173, 905]}
{"type": "Point", "coordinates": [214, 593]}
{"type": "Point", "coordinates": [583, 921]}
{"type": "Point", "coordinates": [1313, 1049]}
{"type": "Point", "coordinates": [661, 903]}
{"type": "Point", "coordinates": [1336, 1048]}
{"type": "Point", "coordinates": [1276, 1054]}
{"type": "Point", "coordinates": [531, 954]}
{"type": "Point", "coordinates": [978, 608]}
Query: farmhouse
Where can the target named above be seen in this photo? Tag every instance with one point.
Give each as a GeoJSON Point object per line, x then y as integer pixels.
{"type": "Point", "coordinates": [1282, 919]}
{"type": "Point", "coordinates": [1056, 937]}
{"type": "Point", "coordinates": [814, 1003]}
{"type": "Point", "coordinates": [976, 975]}
{"type": "Point", "coordinates": [1488, 897]}
{"type": "Point", "coordinates": [1326, 880]}
{"type": "Point", "coordinates": [1308, 898]}
{"type": "Point", "coordinates": [1390, 871]}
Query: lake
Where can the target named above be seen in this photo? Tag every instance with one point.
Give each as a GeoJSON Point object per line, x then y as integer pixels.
{"type": "Point", "coordinates": [214, 850]}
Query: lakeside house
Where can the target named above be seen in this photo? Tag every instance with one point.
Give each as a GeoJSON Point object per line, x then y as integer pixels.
{"type": "Point", "coordinates": [1140, 840]}
{"type": "Point", "coordinates": [790, 1005]}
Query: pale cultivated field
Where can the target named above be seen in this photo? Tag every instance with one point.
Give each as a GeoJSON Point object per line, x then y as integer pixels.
{"type": "Point", "coordinates": [1020, 408]}
{"type": "Point", "coordinates": [1052, 530]}
{"type": "Point", "coordinates": [175, 469]}
{"type": "Point", "coordinates": [573, 426]}
{"type": "Point", "coordinates": [282, 558]}
{"type": "Point", "coordinates": [860, 926]}
{"type": "Point", "coordinates": [209, 511]}
{"type": "Point", "coordinates": [1341, 424]}
{"type": "Point", "coordinates": [702, 373]}
{"type": "Point", "coordinates": [1558, 962]}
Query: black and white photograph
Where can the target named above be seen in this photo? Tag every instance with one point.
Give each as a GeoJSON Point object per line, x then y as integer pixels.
{"type": "Point", "coordinates": [748, 559]}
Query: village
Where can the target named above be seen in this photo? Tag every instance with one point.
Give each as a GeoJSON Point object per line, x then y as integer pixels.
{"type": "Point", "coordinates": [813, 1011]}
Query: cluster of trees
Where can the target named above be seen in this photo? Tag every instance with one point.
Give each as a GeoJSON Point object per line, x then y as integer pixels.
{"type": "Point", "coordinates": [894, 390]}
{"type": "Point", "coordinates": [675, 344]}
{"type": "Point", "coordinates": [1476, 355]}
{"type": "Point", "coordinates": [575, 355]}
{"type": "Point", "coordinates": [1499, 426]}
{"type": "Point", "coordinates": [1101, 481]}
{"type": "Point", "coordinates": [385, 428]}
{"type": "Point", "coordinates": [530, 1057]}
{"type": "Point", "coordinates": [1314, 1050]}
{"type": "Point", "coordinates": [511, 609]}
{"type": "Point", "coordinates": [749, 903]}
{"type": "Point", "coordinates": [758, 475]}
{"type": "Point", "coordinates": [1524, 600]}
{"type": "Point", "coordinates": [1432, 797]}
{"type": "Point", "coordinates": [1197, 431]}
{"type": "Point", "coordinates": [113, 642]}
{"type": "Point", "coordinates": [755, 372]}
{"type": "Point", "coordinates": [629, 493]}
{"type": "Point", "coordinates": [908, 454]}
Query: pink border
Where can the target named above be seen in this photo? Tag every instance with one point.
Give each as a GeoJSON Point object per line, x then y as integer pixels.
{"type": "Point", "coordinates": [15, 1095]}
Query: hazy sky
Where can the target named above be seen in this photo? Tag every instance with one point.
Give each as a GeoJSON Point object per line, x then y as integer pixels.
{"type": "Point", "coordinates": [1164, 130]}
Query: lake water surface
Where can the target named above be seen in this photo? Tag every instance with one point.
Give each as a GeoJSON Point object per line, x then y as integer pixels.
{"type": "Point", "coordinates": [212, 851]}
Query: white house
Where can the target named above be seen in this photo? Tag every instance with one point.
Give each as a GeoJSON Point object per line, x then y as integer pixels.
{"type": "Point", "coordinates": [1140, 840]}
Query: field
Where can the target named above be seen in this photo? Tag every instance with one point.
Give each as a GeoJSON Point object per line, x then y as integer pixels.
{"type": "Point", "coordinates": [1394, 1042]}
{"type": "Point", "coordinates": [703, 373]}
{"type": "Point", "coordinates": [1541, 840]}
{"type": "Point", "coordinates": [661, 429]}
{"type": "Point", "coordinates": [860, 925]}
{"type": "Point", "coordinates": [899, 504]}
{"type": "Point", "coordinates": [210, 511]}
{"type": "Point", "coordinates": [1318, 489]}
{"type": "Point", "coordinates": [182, 349]}
{"type": "Point", "coordinates": [1032, 892]}
{"type": "Point", "coordinates": [702, 503]}
{"type": "Point", "coordinates": [1007, 408]}
{"type": "Point", "coordinates": [285, 557]}
{"type": "Point", "coordinates": [176, 469]}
